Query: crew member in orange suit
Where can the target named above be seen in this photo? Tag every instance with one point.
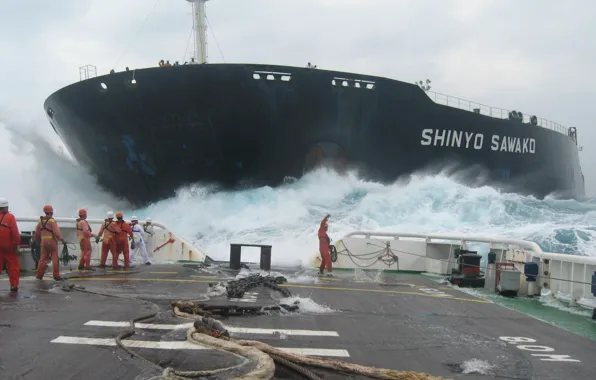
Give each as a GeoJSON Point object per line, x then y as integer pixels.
{"type": "Point", "coordinates": [10, 238]}
{"type": "Point", "coordinates": [84, 233]}
{"type": "Point", "coordinates": [47, 235]}
{"type": "Point", "coordinates": [121, 239]}
{"type": "Point", "coordinates": [324, 242]}
{"type": "Point", "coordinates": [110, 230]}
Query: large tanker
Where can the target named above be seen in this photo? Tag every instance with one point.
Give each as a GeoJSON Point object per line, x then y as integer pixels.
{"type": "Point", "coordinates": [146, 132]}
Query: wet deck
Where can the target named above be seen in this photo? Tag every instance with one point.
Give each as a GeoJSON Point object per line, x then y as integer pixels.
{"type": "Point", "coordinates": [408, 323]}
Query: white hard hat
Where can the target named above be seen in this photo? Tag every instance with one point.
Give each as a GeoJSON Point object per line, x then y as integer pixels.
{"type": "Point", "coordinates": [3, 202]}
{"type": "Point", "coordinates": [148, 220]}
{"type": "Point", "coordinates": [110, 214]}
{"type": "Point", "coordinates": [134, 219]}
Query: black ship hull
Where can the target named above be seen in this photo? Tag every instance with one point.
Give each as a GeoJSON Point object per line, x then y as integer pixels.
{"type": "Point", "coordinates": [230, 123]}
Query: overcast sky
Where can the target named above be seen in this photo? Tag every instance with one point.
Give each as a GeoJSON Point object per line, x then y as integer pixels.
{"type": "Point", "coordinates": [536, 56]}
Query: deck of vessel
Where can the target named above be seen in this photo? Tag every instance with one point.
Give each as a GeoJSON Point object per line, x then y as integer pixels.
{"type": "Point", "coordinates": [407, 322]}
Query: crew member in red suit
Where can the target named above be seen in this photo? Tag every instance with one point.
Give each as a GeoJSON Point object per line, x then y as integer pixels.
{"type": "Point", "coordinates": [109, 229]}
{"type": "Point", "coordinates": [84, 234]}
{"type": "Point", "coordinates": [122, 239]}
{"type": "Point", "coordinates": [47, 235]}
{"type": "Point", "coordinates": [324, 242]}
{"type": "Point", "coordinates": [10, 238]}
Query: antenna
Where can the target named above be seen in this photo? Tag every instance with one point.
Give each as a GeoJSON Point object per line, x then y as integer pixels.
{"type": "Point", "coordinates": [200, 30]}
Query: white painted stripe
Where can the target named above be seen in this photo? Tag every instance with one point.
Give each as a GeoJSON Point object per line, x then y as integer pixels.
{"type": "Point", "coordinates": [180, 345]}
{"type": "Point", "coordinates": [184, 345]}
{"type": "Point", "coordinates": [239, 330]}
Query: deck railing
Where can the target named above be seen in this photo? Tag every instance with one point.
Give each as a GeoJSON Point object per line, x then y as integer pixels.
{"type": "Point", "coordinates": [483, 109]}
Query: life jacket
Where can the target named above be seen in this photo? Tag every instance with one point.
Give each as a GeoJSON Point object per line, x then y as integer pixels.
{"type": "Point", "coordinates": [125, 228]}
{"type": "Point", "coordinates": [110, 229]}
{"type": "Point", "coordinates": [8, 236]}
{"type": "Point", "coordinates": [45, 231]}
{"type": "Point", "coordinates": [80, 231]}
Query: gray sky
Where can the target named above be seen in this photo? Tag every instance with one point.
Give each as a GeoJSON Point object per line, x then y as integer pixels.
{"type": "Point", "coordinates": [536, 56]}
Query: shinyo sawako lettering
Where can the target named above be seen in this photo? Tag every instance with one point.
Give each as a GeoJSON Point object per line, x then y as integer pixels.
{"type": "Point", "coordinates": [470, 140]}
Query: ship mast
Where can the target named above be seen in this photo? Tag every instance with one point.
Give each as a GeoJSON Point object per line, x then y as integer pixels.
{"type": "Point", "coordinates": [200, 30]}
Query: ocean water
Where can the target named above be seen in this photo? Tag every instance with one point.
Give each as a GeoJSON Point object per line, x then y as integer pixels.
{"type": "Point", "coordinates": [288, 216]}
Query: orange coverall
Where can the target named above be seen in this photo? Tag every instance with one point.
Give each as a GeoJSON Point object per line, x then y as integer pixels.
{"type": "Point", "coordinates": [112, 230]}
{"type": "Point", "coordinates": [122, 241]}
{"type": "Point", "coordinates": [47, 235]}
{"type": "Point", "coordinates": [10, 238]}
{"type": "Point", "coordinates": [324, 246]}
{"type": "Point", "coordinates": [84, 233]}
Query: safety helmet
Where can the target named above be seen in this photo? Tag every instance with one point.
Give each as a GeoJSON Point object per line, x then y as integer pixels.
{"type": "Point", "coordinates": [134, 219]}
{"type": "Point", "coordinates": [48, 208]}
{"type": "Point", "coordinates": [118, 214]}
{"type": "Point", "coordinates": [3, 202]}
{"type": "Point", "coordinates": [110, 215]}
{"type": "Point", "coordinates": [82, 212]}
{"type": "Point", "coordinates": [148, 220]}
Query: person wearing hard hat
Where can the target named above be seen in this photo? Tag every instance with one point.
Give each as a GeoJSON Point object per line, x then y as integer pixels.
{"type": "Point", "coordinates": [121, 239]}
{"type": "Point", "coordinates": [324, 242]}
{"type": "Point", "coordinates": [84, 233]}
{"type": "Point", "coordinates": [47, 235]}
{"type": "Point", "coordinates": [148, 228]}
{"type": "Point", "coordinates": [139, 241]}
{"type": "Point", "coordinates": [10, 238]}
{"type": "Point", "coordinates": [109, 229]}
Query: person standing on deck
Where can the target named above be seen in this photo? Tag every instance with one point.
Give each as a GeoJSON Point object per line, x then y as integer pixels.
{"type": "Point", "coordinates": [109, 229]}
{"type": "Point", "coordinates": [84, 234]}
{"type": "Point", "coordinates": [138, 242]}
{"type": "Point", "coordinates": [148, 228]}
{"type": "Point", "coordinates": [324, 242]}
{"type": "Point", "coordinates": [10, 238]}
{"type": "Point", "coordinates": [47, 235]}
{"type": "Point", "coordinates": [122, 239]}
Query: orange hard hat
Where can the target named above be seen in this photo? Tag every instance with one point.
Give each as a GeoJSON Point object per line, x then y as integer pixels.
{"type": "Point", "coordinates": [119, 214]}
{"type": "Point", "coordinates": [48, 208]}
{"type": "Point", "coordinates": [82, 211]}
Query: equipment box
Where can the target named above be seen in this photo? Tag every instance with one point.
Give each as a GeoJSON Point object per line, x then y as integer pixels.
{"type": "Point", "coordinates": [509, 281]}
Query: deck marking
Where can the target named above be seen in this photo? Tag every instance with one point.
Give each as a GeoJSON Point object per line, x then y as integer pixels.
{"type": "Point", "coordinates": [529, 347]}
{"type": "Point", "coordinates": [204, 276]}
{"type": "Point", "coordinates": [185, 345]}
{"type": "Point", "coordinates": [139, 279]}
{"type": "Point", "coordinates": [383, 291]}
{"type": "Point", "coordinates": [239, 330]}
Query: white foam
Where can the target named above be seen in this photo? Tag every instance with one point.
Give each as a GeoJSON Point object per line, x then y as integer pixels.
{"type": "Point", "coordinates": [481, 367]}
{"type": "Point", "coordinates": [308, 306]}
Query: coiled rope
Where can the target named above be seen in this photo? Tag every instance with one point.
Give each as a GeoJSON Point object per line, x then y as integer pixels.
{"type": "Point", "coordinates": [207, 331]}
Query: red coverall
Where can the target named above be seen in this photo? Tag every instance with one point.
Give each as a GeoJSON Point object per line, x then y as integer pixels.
{"type": "Point", "coordinates": [47, 234]}
{"type": "Point", "coordinates": [10, 238]}
{"type": "Point", "coordinates": [84, 234]}
{"type": "Point", "coordinates": [324, 246]}
{"type": "Point", "coordinates": [111, 230]}
{"type": "Point", "coordinates": [122, 241]}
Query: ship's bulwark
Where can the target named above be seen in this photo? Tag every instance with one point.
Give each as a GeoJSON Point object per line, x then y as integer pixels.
{"type": "Point", "coordinates": [216, 123]}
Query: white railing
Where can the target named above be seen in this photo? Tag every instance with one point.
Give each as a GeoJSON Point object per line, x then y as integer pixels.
{"type": "Point", "coordinates": [164, 245]}
{"type": "Point", "coordinates": [495, 112]}
{"type": "Point", "coordinates": [567, 277]}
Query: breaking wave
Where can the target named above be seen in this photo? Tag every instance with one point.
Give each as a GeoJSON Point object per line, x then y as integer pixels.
{"type": "Point", "coordinates": [287, 217]}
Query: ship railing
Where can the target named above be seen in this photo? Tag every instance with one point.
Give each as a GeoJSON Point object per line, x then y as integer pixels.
{"type": "Point", "coordinates": [495, 112]}
{"type": "Point", "coordinates": [164, 246]}
{"type": "Point", "coordinates": [566, 277]}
